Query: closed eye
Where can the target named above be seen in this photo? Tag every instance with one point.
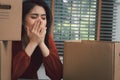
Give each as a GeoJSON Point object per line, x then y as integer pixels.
{"type": "Point", "coordinates": [34, 16]}
{"type": "Point", "coordinates": [43, 16]}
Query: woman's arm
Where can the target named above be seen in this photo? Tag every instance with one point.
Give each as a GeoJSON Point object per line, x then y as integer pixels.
{"type": "Point", "coordinates": [19, 64]}
{"type": "Point", "coordinates": [21, 58]}
{"type": "Point", "coordinates": [52, 63]}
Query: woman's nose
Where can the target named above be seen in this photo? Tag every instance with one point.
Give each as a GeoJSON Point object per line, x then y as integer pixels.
{"type": "Point", "coordinates": [39, 18]}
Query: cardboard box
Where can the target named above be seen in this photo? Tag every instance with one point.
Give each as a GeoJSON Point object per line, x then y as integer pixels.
{"type": "Point", "coordinates": [91, 60]}
{"type": "Point", "coordinates": [10, 19]}
{"type": "Point", "coordinates": [5, 60]}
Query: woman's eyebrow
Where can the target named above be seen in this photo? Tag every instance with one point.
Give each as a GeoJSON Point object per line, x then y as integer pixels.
{"type": "Point", "coordinates": [37, 14]}
{"type": "Point", "coordinates": [43, 15]}
{"type": "Point", "coordinates": [34, 14]}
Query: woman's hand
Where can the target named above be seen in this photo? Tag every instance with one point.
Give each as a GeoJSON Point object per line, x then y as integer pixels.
{"type": "Point", "coordinates": [37, 33]}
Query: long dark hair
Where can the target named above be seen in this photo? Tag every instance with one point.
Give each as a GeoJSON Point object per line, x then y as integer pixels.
{"type": "Point", "coordinates": [27, 6]}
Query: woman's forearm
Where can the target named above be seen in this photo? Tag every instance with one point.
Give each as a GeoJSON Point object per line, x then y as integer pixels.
{"type": "Point", "coordinates": [30, 48]}
{"type": "Point", "coordinates": [44, 49]}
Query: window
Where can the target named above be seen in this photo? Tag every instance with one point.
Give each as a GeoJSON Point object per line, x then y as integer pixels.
{"type": "Point", "coordinates": [74, 20]}
{"type": "Point", "coordinates": [78, 20]}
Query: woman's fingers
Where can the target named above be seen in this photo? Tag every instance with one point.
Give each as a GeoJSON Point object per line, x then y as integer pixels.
{"type": "Point", "coordinates": [37, 32]}
{"type": "Point", "coordinates": [36, 26]}
{"type": "Point", "coordinates": [39, 27]}
{"type": "Point", "coordinates": [43, 29]}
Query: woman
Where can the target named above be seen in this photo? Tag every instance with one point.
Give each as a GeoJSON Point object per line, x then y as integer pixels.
{"type": "Point", "coordinates": [37, 45]}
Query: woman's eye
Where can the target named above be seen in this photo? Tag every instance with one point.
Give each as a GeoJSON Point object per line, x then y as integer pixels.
{"type": "Point", "coordinates": [44, 18]}
{"type": "Point", "coordinates": [33, 17]}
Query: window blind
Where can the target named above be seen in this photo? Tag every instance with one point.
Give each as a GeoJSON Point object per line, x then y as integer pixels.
{"type": "Point", "coordinates": [74, 20]}
{"type": "Point", "coordinates": [77, 20]}
{"type": "Point", "coordinates": [108, 20]}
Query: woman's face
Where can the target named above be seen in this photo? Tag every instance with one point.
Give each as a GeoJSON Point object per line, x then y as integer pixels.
{"type": "Point", "coordinates": [37, 13]}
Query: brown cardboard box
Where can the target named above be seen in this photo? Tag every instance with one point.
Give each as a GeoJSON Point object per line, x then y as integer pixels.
{"type": "Point", "coordinates": [5, 60]}
{"type": "Point", "coordinates": [91, 60]}
{"type": "Point", "coordinates": [10, 19]}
